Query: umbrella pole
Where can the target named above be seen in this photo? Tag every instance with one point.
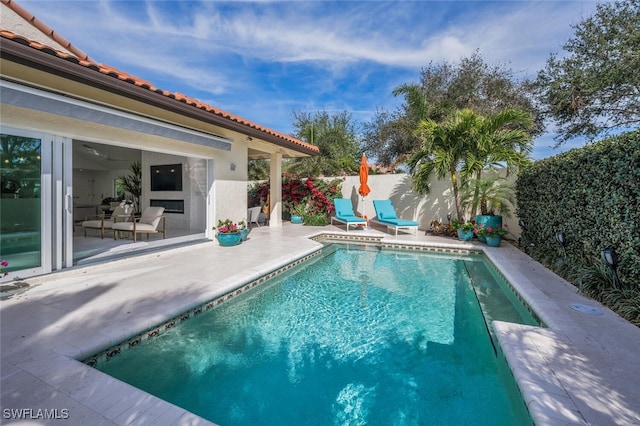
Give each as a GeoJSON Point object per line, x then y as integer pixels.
{"type": "Point", "coordinates": [364, 214]}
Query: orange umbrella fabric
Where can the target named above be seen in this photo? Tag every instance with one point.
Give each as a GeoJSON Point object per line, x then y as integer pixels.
{"type": "Point", "coordinates": [364, 189]}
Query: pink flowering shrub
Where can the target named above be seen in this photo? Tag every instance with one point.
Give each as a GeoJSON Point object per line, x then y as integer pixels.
{"type": "Point", "coordinates": [227, 227]}
{"type": "Point", "coordinates": [491, 231]}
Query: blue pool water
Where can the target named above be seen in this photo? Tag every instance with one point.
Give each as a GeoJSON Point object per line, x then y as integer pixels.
{"type": "Point", "coordinates": [357, 337]}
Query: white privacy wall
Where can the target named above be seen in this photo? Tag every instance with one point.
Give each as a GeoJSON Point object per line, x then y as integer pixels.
{"type": "Point", "coordinates": [409, 205]}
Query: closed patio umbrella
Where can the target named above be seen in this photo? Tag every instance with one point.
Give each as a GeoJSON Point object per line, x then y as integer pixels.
{"type": "Point", "coordinates": [364, 189]}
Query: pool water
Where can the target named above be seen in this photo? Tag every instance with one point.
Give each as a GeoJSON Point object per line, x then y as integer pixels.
{"type": "Point", "coordinates": [359, 336]}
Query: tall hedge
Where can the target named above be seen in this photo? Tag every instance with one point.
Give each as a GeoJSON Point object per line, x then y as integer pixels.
{"type": "Point", "coordinates": [592, 194]}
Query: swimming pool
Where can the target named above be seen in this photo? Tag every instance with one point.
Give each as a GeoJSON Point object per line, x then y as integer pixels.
{"type": "Point", "coordinates": [358, 335]}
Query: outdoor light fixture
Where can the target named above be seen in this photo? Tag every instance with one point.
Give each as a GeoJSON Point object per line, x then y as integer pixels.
{"type": "Point", "coordinates": [563, 242]}
{"type": "Point", "coordinates": [523, 236]}
{"type": "Point", "coordinates": [611, 260]}
{"type": "Point", "coordinates": [449, 217]}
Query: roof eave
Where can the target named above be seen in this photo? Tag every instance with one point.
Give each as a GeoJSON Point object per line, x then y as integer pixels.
{"type": "Point", "coordinates": [70, 68]}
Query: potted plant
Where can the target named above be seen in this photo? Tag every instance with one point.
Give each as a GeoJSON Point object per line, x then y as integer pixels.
{"type": "Point", "coordinates": [464, 229]}
{"type": "Point", "coordinates": [493, 235]}
{"type": "Point", "coordinates": [227, 233]}
{"type": "Point", "coordinates": [244, 230]}
{"type": "Point", "coordinates": [494, 196]}
{"type": "Point", "coordinates": [297, 213]}
{"type": "Point", "coordinates": [132, 183]}
{"type": "Point", "coordinates": [3, 271]}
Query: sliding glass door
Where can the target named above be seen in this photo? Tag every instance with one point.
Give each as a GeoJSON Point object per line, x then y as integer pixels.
{"type": "Point", "coordinates": [21, 202]}
{"type": "Point", "coordinates": [35, 202]}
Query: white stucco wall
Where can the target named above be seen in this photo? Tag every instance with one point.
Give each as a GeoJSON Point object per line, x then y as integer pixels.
{"type": "Point", "coordinates": [230, 183]}
{"type": "Point", "coordinates": [424, 209]}
{"type": "Point", "coordinates": [409, 204]}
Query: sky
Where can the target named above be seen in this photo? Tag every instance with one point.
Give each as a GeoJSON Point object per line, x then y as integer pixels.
{"type": "Point", "coordinates": [263, 60]}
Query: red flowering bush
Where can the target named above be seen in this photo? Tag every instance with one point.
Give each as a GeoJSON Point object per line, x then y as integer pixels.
{"type": "Point", "coordinates": [316, 193]}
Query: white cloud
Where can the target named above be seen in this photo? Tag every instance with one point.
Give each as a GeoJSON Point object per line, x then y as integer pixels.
{"type": "Point", "coordinates": [262, 60]}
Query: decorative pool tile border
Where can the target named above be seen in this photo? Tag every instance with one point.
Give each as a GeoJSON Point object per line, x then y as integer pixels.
{"type": "Point", "coordinates": [109, 353]}
{"type": "Point", "coordinates": [394, 245]}
{"type": "Point", "coordinates": [516, 293]}
{"type": "Point", "coordinates": [346, 237]}
{"type": "Point", "coordinates": [432, 249]}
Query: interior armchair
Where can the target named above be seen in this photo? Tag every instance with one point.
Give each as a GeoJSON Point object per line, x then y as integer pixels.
{"type": "Point", "coordinates": [147, 223]}
{"type": "Point", "coordinates": [103, 222]}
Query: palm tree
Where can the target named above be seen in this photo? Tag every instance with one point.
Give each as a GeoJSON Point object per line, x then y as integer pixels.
{"type": "Point", "coordinates": [466, 144]}
{"type": "Point", "coordinates": [495, 194]}
{"type": "Point", "coordinates": [444, 147]}
{"type": "Point", "coordinates": [503, 140]}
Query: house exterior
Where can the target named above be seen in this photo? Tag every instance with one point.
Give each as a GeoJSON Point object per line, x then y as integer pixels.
{"type": "Point", "coordinates": [70, 126]}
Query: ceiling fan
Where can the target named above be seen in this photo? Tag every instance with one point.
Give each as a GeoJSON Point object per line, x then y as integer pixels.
{"type": "Point", "coordinates": [93, 151]}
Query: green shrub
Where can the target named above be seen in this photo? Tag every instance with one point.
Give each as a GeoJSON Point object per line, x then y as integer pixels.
{"type": "Point", "coordinates": [316, 220]}
{"type": "Point", "coordinates": [592, 194]}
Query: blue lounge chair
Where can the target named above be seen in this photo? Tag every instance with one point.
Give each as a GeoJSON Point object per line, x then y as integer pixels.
{"type": "Point", "coordinates": [386, 215]}
{"type": "Point", "coordinates": [345, 214]}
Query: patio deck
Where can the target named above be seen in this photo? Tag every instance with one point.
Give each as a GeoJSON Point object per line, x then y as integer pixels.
{"type": "Point", "coordinates": [582, 369]}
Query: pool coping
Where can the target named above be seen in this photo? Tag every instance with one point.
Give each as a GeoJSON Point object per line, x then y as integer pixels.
{"type": "Point", "coordinates": [554, 388]}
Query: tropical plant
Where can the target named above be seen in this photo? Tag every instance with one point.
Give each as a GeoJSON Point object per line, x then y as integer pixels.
{"type": "Point", "coordinates": [335, 137]}
{"type": "Point", "coordinates": [444, 146]}
{"type": "Point", "coordinates": [495, 194]}
{"type": "Point", "coordinates": [503, 141]}
{"type": "Point", "coordinates": [132, 183]}
{"type": "Point", "coordinates": [596, 280]}
{"type": "Point", "coordinates": [3, 265]}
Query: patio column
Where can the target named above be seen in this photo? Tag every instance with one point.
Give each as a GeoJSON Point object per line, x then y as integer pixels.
{"type": "Point", "coordinates": [275, 194]}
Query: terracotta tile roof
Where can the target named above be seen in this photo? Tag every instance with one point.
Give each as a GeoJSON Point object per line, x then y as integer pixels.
{"type": "Point", "coordinates": [82, 59]}
{"type": "Point", "coordinates": [46, 30]}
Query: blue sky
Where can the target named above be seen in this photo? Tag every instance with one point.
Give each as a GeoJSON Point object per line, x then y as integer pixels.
{"type": "Point", "coordinates": [263, 60]}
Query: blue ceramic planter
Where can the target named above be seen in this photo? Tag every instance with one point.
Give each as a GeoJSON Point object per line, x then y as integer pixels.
{"type": "Point", "coordinates": [465, 235]}
{"type": "Point", "coordinates": [296, 219]}
{"type": "Point", "coordinates": [227, 240]}
{"type": "Point", "coordinates": [493, 241]}
{"type": "Point", "coordinates": [244, 233]}
{"type": "Point", "coordinates": [488, 221]}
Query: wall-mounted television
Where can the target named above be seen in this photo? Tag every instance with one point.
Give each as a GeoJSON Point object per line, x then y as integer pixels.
{"type": "Point", "coordinates": [166, 177]}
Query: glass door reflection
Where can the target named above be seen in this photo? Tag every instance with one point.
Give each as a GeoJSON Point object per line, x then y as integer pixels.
{"type": "Point", "coordinates": [20, 202]}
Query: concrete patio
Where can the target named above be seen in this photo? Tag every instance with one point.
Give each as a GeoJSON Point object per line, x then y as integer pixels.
{"type": "Point", "coordinates": [580, 369]}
